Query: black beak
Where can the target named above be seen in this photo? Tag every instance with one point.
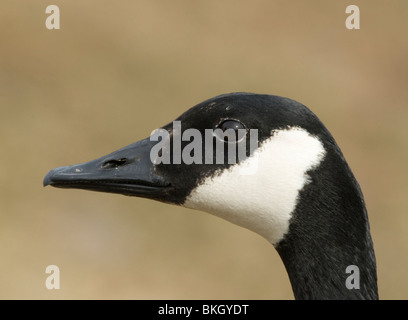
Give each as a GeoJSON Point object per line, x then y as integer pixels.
{"type": "Point", "coordinates": [128, 171]}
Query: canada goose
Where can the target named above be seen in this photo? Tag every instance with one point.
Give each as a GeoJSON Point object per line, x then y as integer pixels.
{"type": "Point", "coordinates": [299, 192]}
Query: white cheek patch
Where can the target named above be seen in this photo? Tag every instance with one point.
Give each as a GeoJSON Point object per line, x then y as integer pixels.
{"type": "Point", "coordinates": [263, 201]}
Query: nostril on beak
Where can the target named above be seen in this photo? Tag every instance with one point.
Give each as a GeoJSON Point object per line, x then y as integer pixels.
{"type": "Point", "coordinates": [114, 163]}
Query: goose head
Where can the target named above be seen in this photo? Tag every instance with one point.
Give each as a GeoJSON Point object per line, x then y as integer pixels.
{"type": "Point", "coordinates": [265, 163]}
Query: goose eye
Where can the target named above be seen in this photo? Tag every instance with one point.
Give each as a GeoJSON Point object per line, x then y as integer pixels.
{"type": "Point", "coordinates": [230, 130]}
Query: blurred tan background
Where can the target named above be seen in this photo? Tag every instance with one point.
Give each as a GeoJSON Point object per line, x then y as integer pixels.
{"type": "Point", "coordinates": [117, 70]}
